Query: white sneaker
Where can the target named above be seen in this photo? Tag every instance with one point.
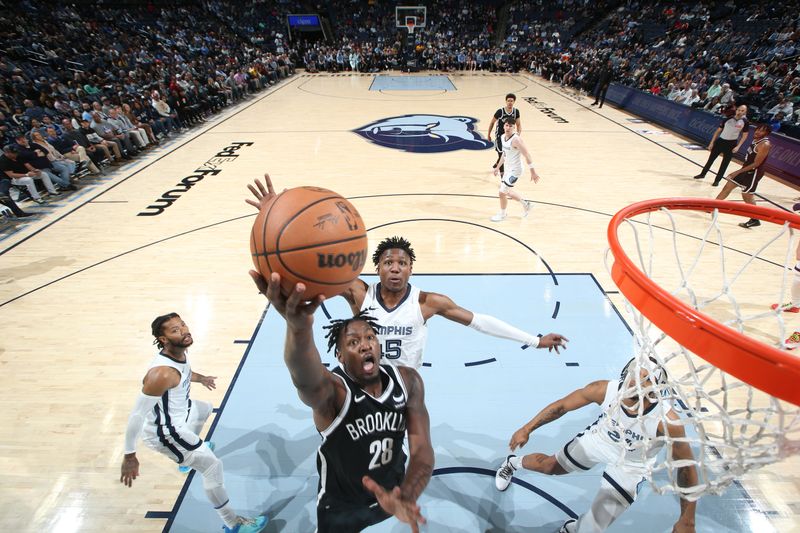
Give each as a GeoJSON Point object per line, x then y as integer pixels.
{"type": "Point", "coordinates": [526, 208]}
{"type": "Point", "coordinates": [499, 217]}
{"type": "Point", "coordinates": [504, 475]}
{"type": "Point", "coordinates": [565, 529]}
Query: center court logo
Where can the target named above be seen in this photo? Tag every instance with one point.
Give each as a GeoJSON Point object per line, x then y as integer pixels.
{"type": "Point", "coordinates": [425, 133]}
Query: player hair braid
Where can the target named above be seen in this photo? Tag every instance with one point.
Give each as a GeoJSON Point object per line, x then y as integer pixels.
{"type": "Point", "coordinates": [157, 324]}
{"type": "Point", "coordinates": [336, 327]}
{"type": "Point", "coordinates": [390, 243]}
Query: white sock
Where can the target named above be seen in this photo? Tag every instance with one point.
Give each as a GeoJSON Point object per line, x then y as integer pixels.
{"type": "Point", "coordinates": [516, 462]}
{"type": "Point", "coordinates": [228, 515]}
{"type": "Point", "coordinates": [796, 284]}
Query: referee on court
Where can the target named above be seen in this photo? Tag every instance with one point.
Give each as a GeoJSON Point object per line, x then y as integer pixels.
{"type": "Point", "coordinates": [727, 140]}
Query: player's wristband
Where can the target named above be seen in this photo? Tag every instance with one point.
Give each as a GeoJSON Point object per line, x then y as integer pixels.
{"type": "Point", "coordinates": [530, 165]}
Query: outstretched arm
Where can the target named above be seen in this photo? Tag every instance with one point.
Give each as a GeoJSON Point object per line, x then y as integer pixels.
{"type": "Point", "coordinates": [206, 381]}
{"type": "Point", "coordinates": [316, 386]}
{"type": "Point", "coordinates": [594, 392]}
{"type": "Point", "coordinates": [438, 304]}
{"type": "Point", "coordinates": [155, 383]}
{"type": "Point", "coordinates": [402, 501]}
{"type": "Point", "coordinates": [687, 474]}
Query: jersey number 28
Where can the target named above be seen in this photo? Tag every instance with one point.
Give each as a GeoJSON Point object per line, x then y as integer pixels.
{"type": "Point", "coordinates": [382, 452]}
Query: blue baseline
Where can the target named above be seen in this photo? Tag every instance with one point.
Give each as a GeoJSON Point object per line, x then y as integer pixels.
{"type": "Point", "coordinates": [267, 442]}
{"type": "Point", "coordinates": [412, 83]}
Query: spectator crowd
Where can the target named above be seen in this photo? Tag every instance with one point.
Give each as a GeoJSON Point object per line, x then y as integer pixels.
{"type": "Point", "coordinates": [87, 86]}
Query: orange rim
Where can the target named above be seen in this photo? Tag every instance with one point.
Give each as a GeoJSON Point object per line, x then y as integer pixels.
{"type": "Point", "coordinates": [764, 367]}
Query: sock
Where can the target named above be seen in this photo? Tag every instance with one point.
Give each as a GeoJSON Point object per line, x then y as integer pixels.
{"type": "Point", "coordinates": [228, 515]}
{"type": "Point", "coordinates": [516, 462]}
{"type": "Point", "coordinates": [796, 285]}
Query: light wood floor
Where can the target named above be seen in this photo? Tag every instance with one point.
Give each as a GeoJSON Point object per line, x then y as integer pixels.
{"type": "Point", "coordinates": [81, 284]}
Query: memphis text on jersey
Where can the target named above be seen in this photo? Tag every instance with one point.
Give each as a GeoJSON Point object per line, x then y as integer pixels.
{"type": "Point", "coordinates": [379, 422]}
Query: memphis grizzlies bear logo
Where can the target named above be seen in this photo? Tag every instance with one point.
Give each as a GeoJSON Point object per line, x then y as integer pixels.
{"type": "Point", "coordinates": [425, 133]}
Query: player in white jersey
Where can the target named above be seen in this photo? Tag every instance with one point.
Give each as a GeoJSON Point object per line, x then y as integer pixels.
{"type": "Point", "coordinates": [513, 151]}
{"type": "Point", "coordinates": [169, 421]}
{"type": "Point", "coordinates": [402, 310]}
{"type": "Point", "coordinates": [623, 438]}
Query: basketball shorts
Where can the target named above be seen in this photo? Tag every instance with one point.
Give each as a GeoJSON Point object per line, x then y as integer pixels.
{"type": "Point", "coordinates": [586, 450]}
{"type": "Point", "coordinates": [508, 180]}
{"type": "Point", "coordinates": [748, 181]}
{"type": "Point", "coordinates": [340, 517]}
{"type": "Point", "coordinates": [176, 441]}
{"type": "Point", "coordinates": [498, 142]}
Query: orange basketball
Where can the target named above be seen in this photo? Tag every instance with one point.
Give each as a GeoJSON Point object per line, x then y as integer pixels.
{"type": "Point", "coordinates": [310, 235]}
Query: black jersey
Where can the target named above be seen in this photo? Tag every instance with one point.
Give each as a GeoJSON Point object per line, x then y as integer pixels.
{"type": "Point", "coordinates": [501, 115]}
{"type": "Point", "coordinates": [366, 438]}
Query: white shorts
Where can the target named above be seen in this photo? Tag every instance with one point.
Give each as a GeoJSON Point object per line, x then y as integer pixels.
{"type": "Point", "coordinates": [586, 450]}
{"type": "Point", "coordinates": [177, 440]}
{"type": "Point", "coordinates": [508, 181]}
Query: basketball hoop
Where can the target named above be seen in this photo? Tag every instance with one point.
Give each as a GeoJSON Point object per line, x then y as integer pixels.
{"type": "Point", "coordinates": [411, 23]}
{"type": "Point", "coordinates": [701, 310]}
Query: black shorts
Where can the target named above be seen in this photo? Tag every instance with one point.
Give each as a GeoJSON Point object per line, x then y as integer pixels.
{"type": "Point", "coordinates": [748, 181]}
{"type": "Point", "coordinates": [338, 517]}
{"type": "Point", "coordinates": [498, 142]}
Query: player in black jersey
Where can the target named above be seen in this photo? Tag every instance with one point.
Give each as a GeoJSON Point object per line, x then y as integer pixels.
{"type": "Point", "coordinates": [747, 177]}
{"type": "Point", "coordinates": [363, 411]}
{"type": "Point", "coordinates": [498, 119]}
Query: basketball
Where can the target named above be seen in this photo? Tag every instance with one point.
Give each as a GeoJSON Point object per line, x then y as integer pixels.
{"type": "Point", "coordinates": [310, 235]}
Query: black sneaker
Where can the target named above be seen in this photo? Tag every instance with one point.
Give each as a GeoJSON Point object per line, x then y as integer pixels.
{"type": "Point", "coordinates": [715, 184]}
{"type": "Point", "coordinates": [700, 176]}
{"type": "Point", "coordinates": [752, 223]}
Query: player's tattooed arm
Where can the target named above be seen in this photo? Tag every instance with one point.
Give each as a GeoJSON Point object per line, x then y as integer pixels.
{"type": "Point", "coordinates": [591, 393]}
{"type": "Point", "coordinates": [421, 460]}
{"type": "Point", "coordinates": [687, 475]}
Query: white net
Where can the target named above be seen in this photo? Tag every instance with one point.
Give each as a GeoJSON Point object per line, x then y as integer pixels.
{"type": "Point", "coordinates": [732, 275]}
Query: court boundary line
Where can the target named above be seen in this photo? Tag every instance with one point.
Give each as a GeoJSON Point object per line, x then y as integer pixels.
{"type": "Point", "coordinates": [148, 165]}
{"type": "Point", "coordinates": [220, 409]}
{"type": "Point", "coordinates": [528, 76]}
{"type": "Point", "coordinates": [200, 228]}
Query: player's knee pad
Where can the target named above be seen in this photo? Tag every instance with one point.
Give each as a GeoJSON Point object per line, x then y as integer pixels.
{"type": "Point", "coordinates": [207, 464]}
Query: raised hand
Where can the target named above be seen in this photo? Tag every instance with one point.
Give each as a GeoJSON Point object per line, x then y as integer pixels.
{"type": "Point", "coordinates": [393, 503]}
{"type": "Point", "coordinates": [263, 196]}
{"type": "Point", "coordinates": [297, 312]}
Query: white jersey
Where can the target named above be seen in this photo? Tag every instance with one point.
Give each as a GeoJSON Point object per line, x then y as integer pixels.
{"type": "Point", "coordinates": [402, 332]}
{"type": "Point", "coordinates": [172, 409]}
{"type": "Point", "coordinates": [512, 164]}
{"type": "Point", "coordinates": [624, 436]}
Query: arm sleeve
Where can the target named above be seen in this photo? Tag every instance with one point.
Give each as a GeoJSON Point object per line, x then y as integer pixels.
{"type": "Point", "coordinates": [136, 420]}
{"type": "Point", "coordinates": [497, 328]}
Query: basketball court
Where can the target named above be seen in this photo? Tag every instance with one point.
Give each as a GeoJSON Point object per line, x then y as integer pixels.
{"type": "Point", "coordinates": [84, 280]}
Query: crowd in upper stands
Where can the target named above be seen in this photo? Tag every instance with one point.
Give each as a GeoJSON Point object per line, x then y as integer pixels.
{"type": "Point", "coordinates": [714, 56]}
{"type": "Point", "coordinates": [88, 85]}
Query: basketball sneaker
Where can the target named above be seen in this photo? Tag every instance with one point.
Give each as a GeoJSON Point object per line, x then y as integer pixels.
{"type": "Point", "coordinates": [185, 469]}
{"type": "Point", "coordinates": [247, 525]}
{"type": "Point", "coordinates": [526, 208]}
{"type": "Point", "coordinates": [752, 223]}
{"type": "Point", "coordinates": [788, 308]}
{"type": "Point", "coordinates": [568, 526]}
{"type": "Point", "coordinates": [504, 475]}
{"type": "Point", "coordinates": [793, 341]}
{"type": "Point", "coordinates": [499, 217]}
